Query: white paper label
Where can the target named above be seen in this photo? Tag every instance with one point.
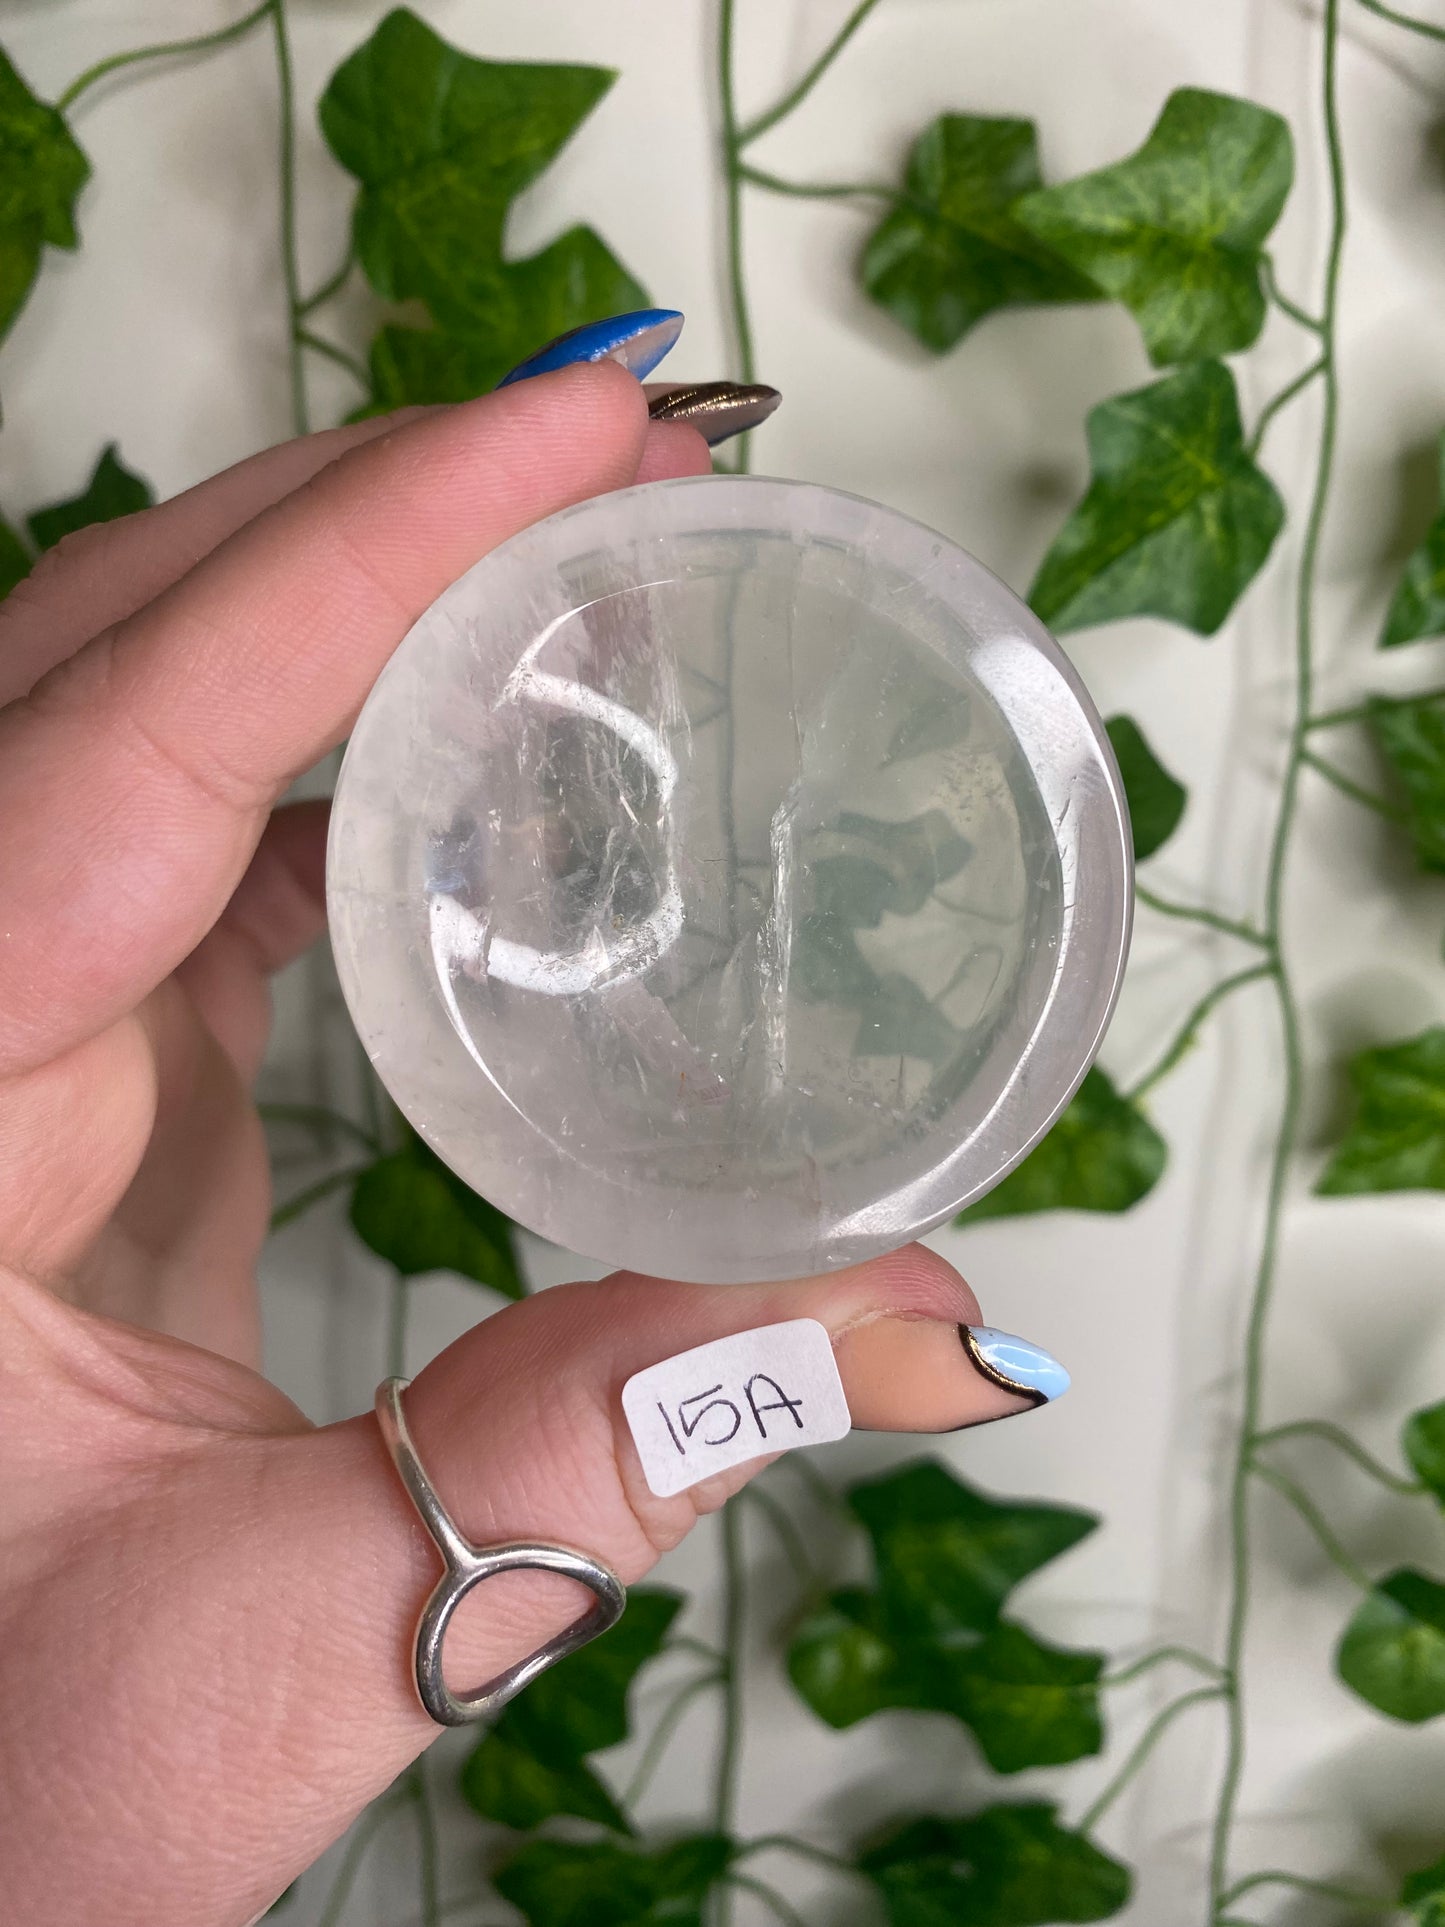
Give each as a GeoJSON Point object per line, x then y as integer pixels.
{"type": "Point", "coordinates": [742, 1397]}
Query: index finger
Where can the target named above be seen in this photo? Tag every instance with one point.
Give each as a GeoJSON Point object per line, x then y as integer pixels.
{"type": "Point", "coordinates": [141, 769]}
{"type": "Point", "coordinates": [109, 570]}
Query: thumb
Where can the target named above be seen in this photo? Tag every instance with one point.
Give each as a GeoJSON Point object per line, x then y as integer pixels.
{"type": "Point", "coordinates": [232, 1647]}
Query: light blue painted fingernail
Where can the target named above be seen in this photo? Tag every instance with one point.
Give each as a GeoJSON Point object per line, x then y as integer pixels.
{"type": "Point", "coordinates": [1021, 1366]}
{"type": "Point", "coordinates": [638, 341]}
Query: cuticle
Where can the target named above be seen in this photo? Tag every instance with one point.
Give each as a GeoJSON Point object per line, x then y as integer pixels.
{"type": "Point", "coordinates": [877, 1317]}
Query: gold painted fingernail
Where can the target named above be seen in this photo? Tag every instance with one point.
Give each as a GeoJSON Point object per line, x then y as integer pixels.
{"type": "Point", "coordinates": [718, 409]}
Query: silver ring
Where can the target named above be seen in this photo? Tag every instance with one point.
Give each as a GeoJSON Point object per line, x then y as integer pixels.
{"type": "Point", "coordinates": [467, 1566]}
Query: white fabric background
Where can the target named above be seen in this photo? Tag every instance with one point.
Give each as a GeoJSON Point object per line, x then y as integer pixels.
{"type": "Point", "coordinates": [166, 333]}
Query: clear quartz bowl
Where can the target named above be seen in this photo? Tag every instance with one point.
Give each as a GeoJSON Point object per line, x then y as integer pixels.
{"type": "Point", "coordinates": [730, 878]}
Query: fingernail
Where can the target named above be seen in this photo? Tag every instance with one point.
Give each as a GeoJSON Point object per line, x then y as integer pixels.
{"type": "Point", "coordinates": [924, 1375]}
{"type": "Point", "coordinates": [1014, 1364]}
{"type": "Point", "coordinates": [638, 341]}
{"type": "Point", "coordinates": [719, 409]}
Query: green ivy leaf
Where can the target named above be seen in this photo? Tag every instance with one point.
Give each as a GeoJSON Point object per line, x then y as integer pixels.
{"type": "Point", "coordinates": [1102, 1155]}
{"type": "Point", "coordinates": [1393, 1650]}
{"type": "Point", "coordinates": [1156, 801]}
{"type": "Point", "coordinates": [868, 868]}
{"type": "Point", "coordinates": [1008, 1866]}
{"type": "Point", "coordinates": [506, 1781]}
{"type": "Point", "coordinates": [1027, 1703]}
{"type": "Point", "coordinates": [530, 1764]}
{"type": "Point", "coordinates": [953, 253]}
{"type": "Point", "coordinates": [1423, 1892]}
{"type": "Point", "coordinates": [1417, 608]}
{"type": "Point", "coordinates": [929, 1636]}
{"type": "Point", "coordinates": [576, 279]}
{"type": "Point", "coordinates": [111, 492]}
{"type": "Point", "coordinates": [411, 365]}
{"type": "Point", "coordinates": [948, 1556]}
{"type": "Point", "coordinates": [580, 1704]}
{"type": "Point", "coordinates": [41, 173]}
{"type": "Point", "coordinates": [864, 869]}
{"type": "Point", "coordinates": [14, 559]}
{"type": "Point", "coordinates": [1411, 738]}
{"type": "Point", "coordinates": [844, 1660]}
{"type": "Point", "coordinates": [1423, 1443]}
{"type": "Point", "coordinates": [1178, 519]}
{"type": "Point", "coordinates": [441, 144]}
{"type": "Point", "coordinates": [1397, 1139]}
{"type": "Point", "coordinates": [418, 1215]}
{"type": "Point", "coordinates": [1176, 231]}
{"type": "Point", "coordinates": [555, 1883]}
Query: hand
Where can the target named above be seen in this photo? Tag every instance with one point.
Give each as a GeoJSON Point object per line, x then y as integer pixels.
{"type": "Point", "coordinates": [206, 1603]}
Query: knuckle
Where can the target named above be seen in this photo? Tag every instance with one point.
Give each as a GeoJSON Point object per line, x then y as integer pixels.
{"type": "Point", "coordinates": [36, 598]}
{"type": "Point", "coordinates": [75, 547]}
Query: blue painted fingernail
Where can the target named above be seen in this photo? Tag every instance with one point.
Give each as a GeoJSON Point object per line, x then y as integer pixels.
{"type": "Point", "coordinates": [1014, 1363]}
{"type": "Point", "coordinates": [638, 341]}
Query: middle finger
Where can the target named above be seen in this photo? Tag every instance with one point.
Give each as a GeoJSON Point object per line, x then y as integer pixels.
{"type": "Point", "coordinates": [112, 569]}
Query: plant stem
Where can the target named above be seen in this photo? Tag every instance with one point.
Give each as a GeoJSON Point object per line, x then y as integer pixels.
{"type": "Point", "coordinates": [1283, 302]}
{"type": "Point", "coordinates": [790, 1843]}
{"type": "Point", "coordinates": [770, 1897]}
{"type": "Point", "coordinates": [320, 1118]}
{"type": "Point", "coordinates": [398, 1311]}
{"type": "Point", "coordinates": [725, 1796]}
{"type": "Point", "coordinates": [1185, 1655]}
{"type": "Point", "coordinates": [1258, 1317]}
{"type": "Point", "coordinates": [202, 43]}
{"type": "Point", "coordinates": [455, 1904]}
{"type": "Point", "coordinates": [1319, 1428]}
{"type": "Point", "coordinates": [427, 1856]}
{"type": "Point", "coordinates": [290, 266]}
{"type": "Point", "coordinates": [1356, 713]}
{"type": "Point", "coordinates": [819, 190]}
{"type": "Point", "coordinates": [1142, 1748]}
{"type": "Point", "coordinates": [321, 346]}
{"type": "Point", "coordinates": [373, 1098]}
{"type": "Point", "coordinates": [786, 1533]}
{"type": "Point", "coordinates": [797, 95]}
{"type": "Point", "coordinates": [1302, 1884]}
{"type": "Point", "coordinates": [660, 1737]}
{"type": "Point", "coordinates": [417, 1789]}
{"type": "Point", "coordinates": [1282, 400]}
{"type": "Point", "coordinates": [826, 1495]}
{"type": "Point", "coordinates": [329, 288]}
{"type": "Point", "coordinates": [1356, 792]}
{"type": "Point", "coordinates": [685, 1643]}
{"type": "Point", "coordinates": [1196, 913]}
{"type": "Point", "coordinates": [733, 184]}
{"type": "Point", "coordinates": [1406, 20]}
{"type": "Point", "coordinates": [362, 1835]}
{"type": "Point", "coordinates": [1305, 1506]}
{"type": "Point", "coordinates": [1361, 712]}
{"type": "Point", "coordinates": [285, 1213]}
{"type": "Point", "coordinates": [1192, 1025]}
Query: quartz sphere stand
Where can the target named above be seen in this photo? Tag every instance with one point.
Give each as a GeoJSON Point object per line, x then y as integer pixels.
{"type": "Point", "coordinates": [729, 878]}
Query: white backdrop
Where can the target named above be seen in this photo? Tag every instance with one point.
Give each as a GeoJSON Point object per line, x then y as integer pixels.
{"type": "Point", "coordinates": [166, 333]}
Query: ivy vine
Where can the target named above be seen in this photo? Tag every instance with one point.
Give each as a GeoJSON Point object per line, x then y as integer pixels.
{"type": "Point", "coordinates": [1176, 522]}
